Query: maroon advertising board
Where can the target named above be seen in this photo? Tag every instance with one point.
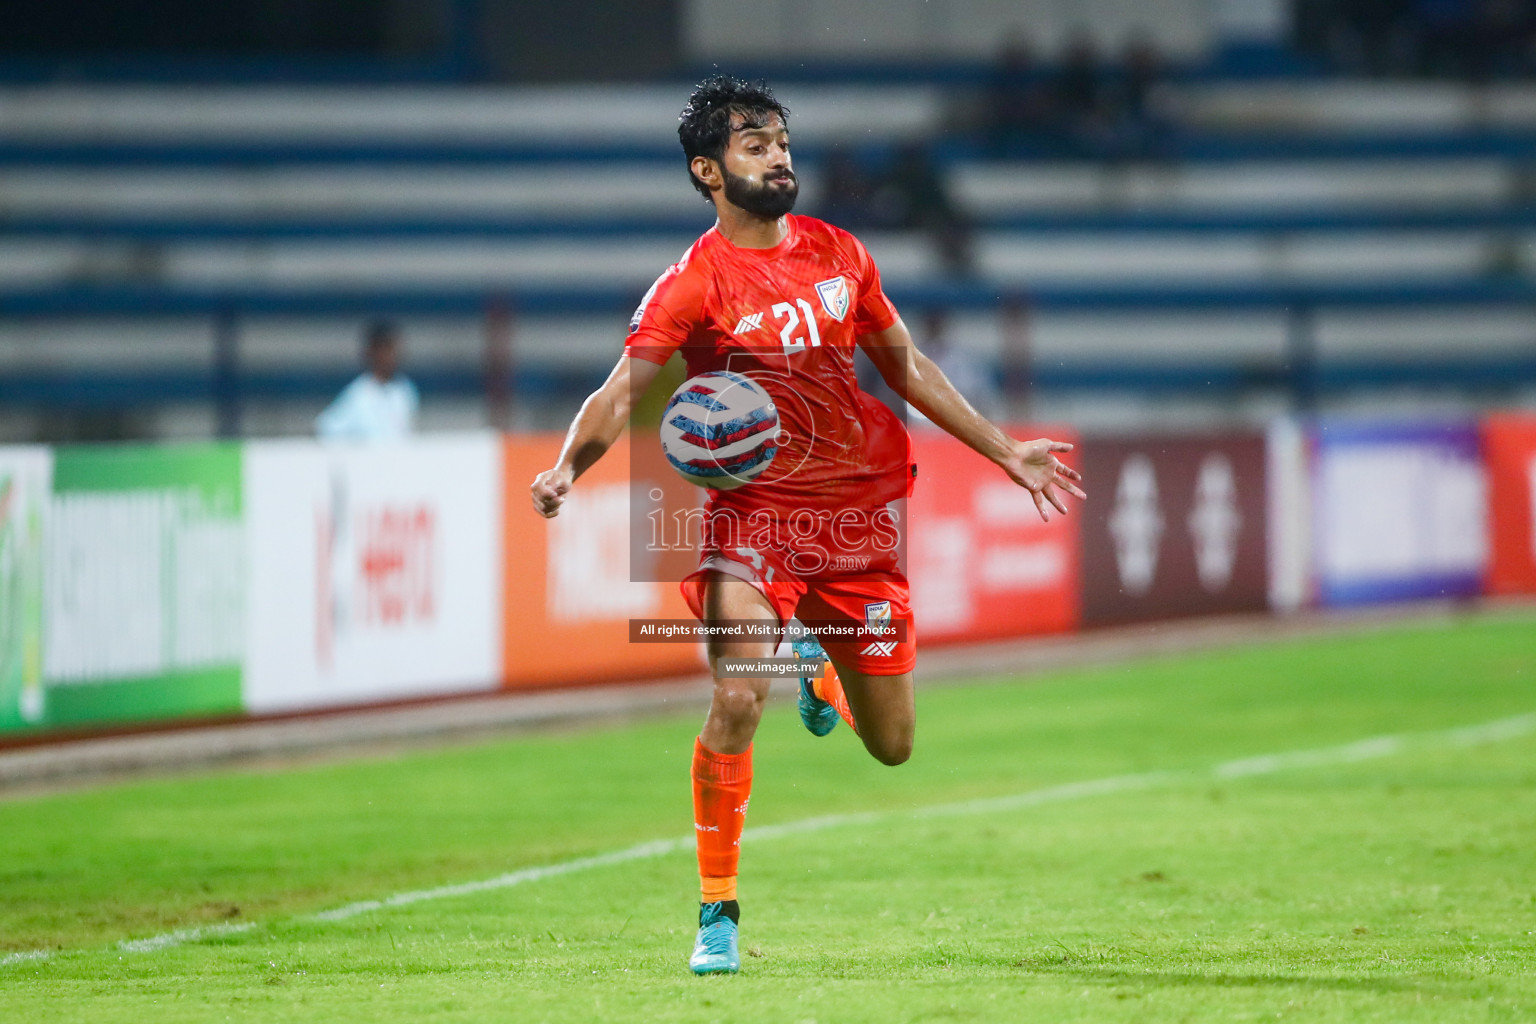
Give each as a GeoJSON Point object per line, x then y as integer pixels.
{"type": "Point", "coordinates": [1174, 526]}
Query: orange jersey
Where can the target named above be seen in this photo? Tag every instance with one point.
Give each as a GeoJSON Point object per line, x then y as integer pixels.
{"type": "Point", "coordinates": [788, 318]}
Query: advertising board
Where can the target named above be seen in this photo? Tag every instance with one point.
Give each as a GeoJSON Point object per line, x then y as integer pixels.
{"type": "Point", "coordinates": [1399, 511]}
{"type": "Point", "coordinates": [1509, 448]}
{"type": "Point", "coordinates": [571, 584]}
{"type": "Point", "coordinates": [375, 570]}
{"type": "Point", "coordinates": [144, 583]}
{"type": "Point", "coordinates": [981, 562]}
{"type": "Point", "coordinates": [1176, 526]}
{"type": "Point", "coordinates": [25, 484]}
{"type": "Point", "coordinates": [1289, 484]}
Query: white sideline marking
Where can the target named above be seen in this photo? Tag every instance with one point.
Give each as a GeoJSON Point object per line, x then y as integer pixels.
{"type": "Point", "coordinates": [1362, 750]}
{"type": "Point", "coordinates": [643, 851]}
{"type": "Point", "coordinates": [176, 938]}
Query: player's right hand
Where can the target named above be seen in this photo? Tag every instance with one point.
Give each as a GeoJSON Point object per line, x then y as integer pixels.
{"type": "Point", "coordinates": [549, 490]}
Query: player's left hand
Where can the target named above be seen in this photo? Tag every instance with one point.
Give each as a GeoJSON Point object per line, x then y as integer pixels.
{"type": "Point", "coordinates": [1033, 465]}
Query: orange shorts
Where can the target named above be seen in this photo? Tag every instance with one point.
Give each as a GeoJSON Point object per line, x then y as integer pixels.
{"type": "Point", "coordinates": [868, 599]}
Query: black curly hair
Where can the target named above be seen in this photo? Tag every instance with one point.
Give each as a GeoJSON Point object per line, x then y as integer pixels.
{"type": "Point", "coordinates": [704, 126]}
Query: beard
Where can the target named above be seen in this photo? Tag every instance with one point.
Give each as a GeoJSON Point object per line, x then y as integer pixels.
{"type": "Point", "coordinates": [764, 199]}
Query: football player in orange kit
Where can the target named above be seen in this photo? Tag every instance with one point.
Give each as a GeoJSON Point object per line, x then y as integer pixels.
{"type": "Point", "coordinates": [784, 299]}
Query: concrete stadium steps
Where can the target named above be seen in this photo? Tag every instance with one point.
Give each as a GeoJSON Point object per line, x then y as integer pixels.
{"type": "Point", "coordinates": [1022, 260]}
{"type": "Point", "coordinates": [563, 115]}
{"type": "Point", "coordinates": [877, 32]}
{"type": "Point", "coordinates": [1356, 107]}
{"type": "Point", "coordinates": [562, 193]}
{"type": "Point", "coordinates": [327, 346]}
{"type": "Point", "coordinates": [1175, 369]}
{"type": "Point", "coordinates": [578, 193]}
{"type": "Point", "coordinates": [1006, 259]}
{"type": "Point", "coordinates": [1002, 189]}
{"type": "Point", "coordinates": [537, 115]}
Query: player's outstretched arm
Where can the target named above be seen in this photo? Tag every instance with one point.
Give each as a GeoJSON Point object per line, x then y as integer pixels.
{"type": "Point", "coordinates": [1032, 465]}
{"type": "Point", "coordinates": [592, 432]}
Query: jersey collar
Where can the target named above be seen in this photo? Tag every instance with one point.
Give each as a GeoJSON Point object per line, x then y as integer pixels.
{"type": "Point", "coordinates": [787, 243]}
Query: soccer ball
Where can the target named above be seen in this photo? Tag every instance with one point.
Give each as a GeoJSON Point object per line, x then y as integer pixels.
{"type": "Point", "coordinates": [720, 430]}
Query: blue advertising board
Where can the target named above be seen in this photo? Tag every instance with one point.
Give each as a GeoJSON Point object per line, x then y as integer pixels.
{"type": "Point", "coordinates": [1399, 510]}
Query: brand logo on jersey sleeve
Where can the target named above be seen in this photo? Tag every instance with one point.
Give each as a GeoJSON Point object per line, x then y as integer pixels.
{"type": "Point", "coordinates": [834, 297]}
{"type": "Point", "coordinates": [639, 314]}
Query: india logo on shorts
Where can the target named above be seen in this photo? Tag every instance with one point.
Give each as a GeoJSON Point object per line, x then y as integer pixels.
{"type": "Point", "coordinates": [877, 619]}
{"type": "Point", "coordinates": [834, 297]}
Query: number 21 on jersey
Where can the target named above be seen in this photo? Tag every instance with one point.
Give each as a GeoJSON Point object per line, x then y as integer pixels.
{"type": "Point", "coordinates": [786, 312]}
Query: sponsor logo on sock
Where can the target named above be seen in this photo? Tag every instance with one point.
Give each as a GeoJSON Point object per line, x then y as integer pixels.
{"type": "Point", "coordinates": [706, 828]}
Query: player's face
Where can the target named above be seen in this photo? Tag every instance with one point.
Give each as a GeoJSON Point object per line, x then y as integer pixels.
{"type": "Point", "coordinates": [756, 170]}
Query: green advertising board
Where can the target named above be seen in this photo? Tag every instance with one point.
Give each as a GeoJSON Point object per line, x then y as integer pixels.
{"type": "Point", "coordinates": [24, 490]}
{"type": "Point", "coordinates": [143, 589]}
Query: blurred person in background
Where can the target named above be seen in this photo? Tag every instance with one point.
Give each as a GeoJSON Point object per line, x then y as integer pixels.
{"type": "Point", "coordinates": [1081, 99]}
{"type": "Point", "coordinates": [381, 404]}
{"type": "Point", "coordinates": [845, 190]}
{"type": "Point", "coordinates": [1373, 37]}
{"type": "Point", "coordinates": [913, 196]}
{"type": "Point", "coordinates": [1018, 106]}
{"type": "Point", "coordinates": [970, 376]}
{"type": "Point", "coordinates": [1139, 128]}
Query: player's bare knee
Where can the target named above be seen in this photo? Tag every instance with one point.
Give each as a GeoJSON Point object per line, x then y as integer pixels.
{"type": "Point", "coordinates": [891, 750]}
{"type": "Point", "coordinates": [737, 704]}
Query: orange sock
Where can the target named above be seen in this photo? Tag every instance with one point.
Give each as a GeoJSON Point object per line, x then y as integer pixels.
{"type": "Point", "coordinates": [722, 784]}
{"type": "Point", "coordinates": [830, 689]}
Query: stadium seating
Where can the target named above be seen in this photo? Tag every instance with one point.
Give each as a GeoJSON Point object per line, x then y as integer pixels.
{"type": "Point", "coordinates": [1376, 238]}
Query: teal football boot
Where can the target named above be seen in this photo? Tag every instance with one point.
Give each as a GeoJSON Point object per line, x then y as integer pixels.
{"type": "Point", "coordinates": [819, 716]}
{"type": "Point", "coordinates": [715, 951]}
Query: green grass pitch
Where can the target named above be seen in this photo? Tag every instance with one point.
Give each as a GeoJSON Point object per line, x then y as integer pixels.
{"type": "Point", "coordinates": [1395, 885]}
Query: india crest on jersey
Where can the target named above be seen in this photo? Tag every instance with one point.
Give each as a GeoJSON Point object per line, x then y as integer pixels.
{"type": "Point", "coordinates": [834, 297]}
